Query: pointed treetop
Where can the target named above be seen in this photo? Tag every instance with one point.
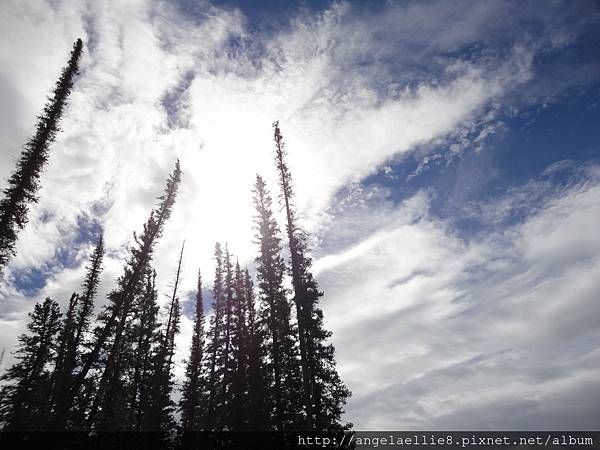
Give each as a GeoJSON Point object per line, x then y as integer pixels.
{"type": "Point", "coordinates": [77, 49]}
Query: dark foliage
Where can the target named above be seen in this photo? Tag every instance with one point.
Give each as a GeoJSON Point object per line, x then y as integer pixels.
{"type": "Point", "coordinates": [216, 343]}
{"type": "Point", "coordinates": [144, 333]}
{"type": "Point", "coordinates": [23, 183]}
{"type": "Point", "coordinates": [235, 364]}
{"type": "Point", "coordinates": [71, 345]}
{"type": "Point", "coordinates": [193, 398]}
{"type": "Point", "coordinates": [159, 415]}
{"type": "Point", "coordinates": [108, 408]}
{"type": "Point", "coordinates": [258, 366]}
{"type": "Point", "coordinates": [285, 390]}
{"type": "Point", "coordinates": [324, 393]}
{"type": "Point", "coordinates": [24, 403]}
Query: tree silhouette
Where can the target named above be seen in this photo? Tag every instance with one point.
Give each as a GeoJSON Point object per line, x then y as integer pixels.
{"type": "Point", "coordinates": [193, 395]}
{"type": "Point", "coordinates": [257, 408]}
{"type": "Point", "coordinates": [89, 290]}
{"type": "Point", "coordinates": [74, 328]}
{"type": "Point", "coordinates": [24, 403]}
{"type": "Point", "coordinates": [255, 368]}
{"type": "Point", "coordinates": [285, 388]}
{"type": "Point", "coordinates": [216, 343]}
{"type": "Point", "coordinates": [239, 346]}
{"type": "Point", "coordinates": [145, 333]}
{"type": "Point", "coordinates": [66, 354]}
{"type": "Point", "coordinates": [160, 417]}
{"type": "Point", "coordinates": [23, 183]}
{"type": "Point", "coordinates": [226, 407]}
{"type": "Point", "coordinates": [235, 353]}
{"type": "Point", "coordinates": [121, 300]}
{"type": "Point", "coordinates": [324, 392]}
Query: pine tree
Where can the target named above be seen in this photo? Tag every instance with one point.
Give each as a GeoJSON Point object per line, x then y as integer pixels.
{"type": "Point", "coordinates": [160, 417]}
{"type": "Point", "coordinates": [239, 406]}
{"type": "Point", "coordinates": [257, 414]}
{"type": "Point", "coordinates": [66, 337]}
{"type": "Point", "coordinates": [223, 393]}
{"type": "Point", "coordinates": [117, 314]}
{"type": "Point", "coordinates": [284, 371]}
{"type": "Point", "coordinates": [75, 326]}
{"type": "Point", "coordinates": [145, 334]}
{"type": "Point", "coordinates": [226, 362]}
{"type": "Point", "coordinates": [23, 183]}
{"type": "Point", "coordinates": [89, 290]}
{"type": "Point", "coordinates": [25, 400]}
{"type": "Point", "coordinates": [192, 399]}
{"type": "Point", "coordinates": [216, 342]}
{"type": "Point", "coordinates": [324, 392]}
{"type": "Point", "coordinates": [65, 355]}
{"type": "Point", "coordinates": [110, 409]}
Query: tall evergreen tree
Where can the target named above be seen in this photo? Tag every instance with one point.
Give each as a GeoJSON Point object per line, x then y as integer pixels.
{"type": "Point", "coordinates": [75, 326]}
{"type": "Point", "coordinates": [193, 398]}
{"type": "Point", "coordinates": [65, 354]}
{"type": "Point", "coordinates": [324, 392]}
{"type": "Point", "coordinates": [145, 333]}
{"type": "Point", "coordinates": [222, 412]}
{"type": "Point", "coordinates": [216, 342]}
{"type": "Point", "coordinates": [160, 417]}
{"type": "Point", "coordinates": [80, 401]}
{"type": "Point", "coordinates": [257, 416]}
{"type": "Point", "coordinates": [226, 362]}
{"type": "Point", "coordinates": [25, 399]}
{"type": "Point", "coordinates": [110, 409]}
{"type": "Point", "coordinates": [23, 183]}
{"type": "Point", "coordinates": [239, 390]}
{"type": "Point", "coordinates": [67, 335]}
{"type": "Point", "coordinates": [89, 290]}
{"type": "Point", "coordinates": [117, 314]}
{"type": "Point", "coordinates": [284, 371]}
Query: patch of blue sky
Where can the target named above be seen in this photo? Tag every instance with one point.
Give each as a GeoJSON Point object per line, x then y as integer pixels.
{"type": "Point", "coordinates": [562, 135]}
{"type": "Point", "coordinates": [188, 302]}
{"type": "Point", "coordinates": [29, 281]}
{"type": "Point", "coordinates": [268, 15]}
{"type": "Point", "coordinates": [88, 230]}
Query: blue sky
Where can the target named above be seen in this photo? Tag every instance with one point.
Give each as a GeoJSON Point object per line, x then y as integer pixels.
{"type": "Point", "coordinates": [446, 160]}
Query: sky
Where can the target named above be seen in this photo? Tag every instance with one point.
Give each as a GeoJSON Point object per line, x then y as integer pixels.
{"type": "Point", "coordinates": [446, 160]}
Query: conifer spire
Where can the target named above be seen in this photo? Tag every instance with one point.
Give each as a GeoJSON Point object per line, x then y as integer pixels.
{"type": "Point", "coordinates": [285, 388]}
{"type": "Point", "coordinates": [75, 326]}
{"type": "Point", "coordinates": [23, 183]}
{"type": "Point", "coordinates": [191, 403]}
{"type": "Point", "coordinates": [129, 286]}
{"type": "Point", "coordinates": [324, 393]}
{"type": "Point", "coordinates": [162, 383]}
{"type": "Point", "coordinates": [214, 347]}
{"type": "Point", "coordinates": [145, 333]}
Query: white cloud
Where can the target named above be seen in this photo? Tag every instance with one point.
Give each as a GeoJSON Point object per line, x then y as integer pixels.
{"type": "Point", "coordinates": [157, 85]}
{"type": "Point", "coordinates": [434, 332]}
{"type": "Point", "coordinates": [117, 148]}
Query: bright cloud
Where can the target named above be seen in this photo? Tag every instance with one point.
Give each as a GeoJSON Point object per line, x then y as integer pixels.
{"type": "Point", "coordinates": [354, 90]}
{"type": "Point", "coordinates": [435, 332]}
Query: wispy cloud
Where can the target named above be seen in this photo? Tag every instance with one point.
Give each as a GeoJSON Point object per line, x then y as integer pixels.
{"type": "Point", "coordinates": [436, 332]}
{"type": "Point", "coordinates": [355, 89]}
